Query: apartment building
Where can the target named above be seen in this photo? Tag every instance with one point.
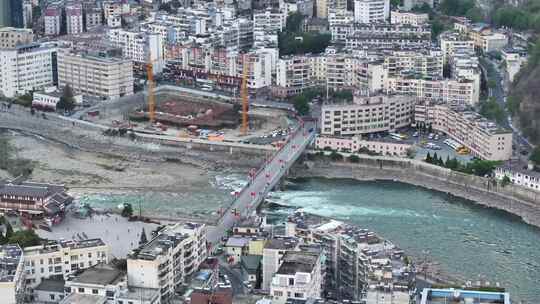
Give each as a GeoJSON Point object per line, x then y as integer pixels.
{"type": "Point", "coordinates": [140, 47]}
{"type": "Point", "coordinates": [93, 17]}
{"type": "Point", "coordinates": [519, 173]}
{"type": "Point", "coordinates": [453, 42]}
{"type": "Point", "coordinates": [269, 20]}
{"type": "Point", "coordinates": [381, 36]}
{"type": "Point", "coordinates": [450, 91]}
{"type": "Point", "coordinates": [12, 275]}
{"type": "Point", "coordinates": [426, 64]}
{"type": "Point", "coordinates": [294, 74]}
{"type": "Point", "coordinates": [324, 7]}
{"type": "Point", "coordinates": [371, 11]}
{"type": "Point", "coordinates": [484, 138]}
{"type": "Point", "coordinates": [62, 258]}
{"type": "Point", "coordinates": [92, 73]}
{"type": "Point", "coordinates": [403, 17]}
{"type": "Point", "coordinates": [27, 67]}
{"type": "Point", "coordinates": [10, 37]}
{"type": "Point", "coordinates": [105, 282]}
{"type": "Point", "coordinates": [485, 38]}
{"type": "Point", "coordinates": [48, 98]}
{"type": "Point", "coordinates": [357, 144]}
{"type": "Point", "coordinates": [273, 253]}
{"type": "Point", "coordinates": [169, 259]}
{"type": "Point", "coordinates": [53, 20]}
{"type": "Point", "coordinates": [299, 277]}
{"type": "Point", "coordinates": [74, 18]}
{"type": "Point", "coordinates": [367, 114]}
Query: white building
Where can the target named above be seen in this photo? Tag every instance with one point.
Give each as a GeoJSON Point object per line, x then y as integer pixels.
{"type": "Point", "coordinates": [367, 114]}
{"type": "Point", "coordinates": [402, 17]}
{"type": "Point", "coordinates": [49, 98]}
{"type": "Point", "coordinates": [87, 73]}
{"type": "Point", "coordinates": [93, 18]}
{"type": "Point", "coordinates": [141, 48]}
{"type": "Point", "coordinates": [74, 18]}
{"type": "Point", "coordinates": [167, 261]}
{"type": "Point", "coordinates": [357, 144]}
{"type": "Point", "coordinates": [26, 68]}
{"type": "Point", "coordinates": [371, 11]}
{"type": "Point", "coordinates": [485, 139]}
{"type": "Point", "coordinates": [12, 276]}
{"type": "Point", "coordinates": [298, 277]}
{"type": "Point", "coordinates": [10, 37]}
{"type": "Point", "coordinates": [62, 258]}
{"type": "Point", "coordinates": [53, 20]}
{"type": "Point", "coordinates": [452, 42]}
{"type": "Point", "coordinates": [273, 253]}
{"type": "Point", "coordinates": [519, 174]}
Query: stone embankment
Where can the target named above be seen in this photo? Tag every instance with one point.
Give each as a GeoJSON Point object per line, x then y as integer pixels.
{"type": "Point", "coordinates": [483, 191]}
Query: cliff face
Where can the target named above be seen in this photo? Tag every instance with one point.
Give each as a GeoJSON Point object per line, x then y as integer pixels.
{"type": "Point", "coordinates": [524, 99]}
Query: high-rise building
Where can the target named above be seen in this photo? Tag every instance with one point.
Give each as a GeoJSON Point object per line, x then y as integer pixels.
{"type": "Point", "coordinates": [11, 13]}
{"type": "Point", "coordinates": [53, 20]}
{"type": "Point", "coordinates": [74, 18]}
{"type": "Point", "coordinates": [371, 11]}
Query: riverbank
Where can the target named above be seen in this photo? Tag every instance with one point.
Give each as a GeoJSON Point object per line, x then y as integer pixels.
{"type": "Point", "coordinates": [513, 199]}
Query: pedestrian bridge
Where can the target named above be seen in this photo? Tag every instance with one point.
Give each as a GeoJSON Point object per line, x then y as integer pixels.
{"type": "Point", "coordinates": [264, 180]}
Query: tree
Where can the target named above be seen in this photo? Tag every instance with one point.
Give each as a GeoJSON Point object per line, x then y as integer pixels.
{"type": "Point", "coordinates": [67, 101]}
{"type": "Point", "coordinates": [535, 156]}
{"type": "Point", "coordinates": [354, 158]}
{"type": "Point", "coordinates": [25, 238]}
{"type": "Point", "coordinates": [492, 84]}
{"type": "Point", "coordinates": [294, 22]}
{"type": "Point", "coordinates": [474, 14]}
{"type": "Point", "coordinates": [301, 104]}
{"type": "Point", "coordinates": [9, 230]}
{"type": "Point", "coordinates": [143, 239]}
{"type": "Point", "coordinates": [7, 151]}
{"type": "Point", "coordinates": [505, 181]}
{"type": "Point", "coordinates": [411, 152]}
{"type": "Point", "coordinates": [128, 210]}
{"type": "Point", "coordinates": [429, 160]}
{"type": "Point", "coordinates": [335, 156]}
{"type": "Point", "coordinates": [491, 109]}
{"type": "Point", "coordinates": [435, 159]}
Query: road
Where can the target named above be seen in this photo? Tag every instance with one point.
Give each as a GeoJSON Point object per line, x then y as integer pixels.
{"type": "Point", "coordinates": [519, 141]}
{"type": "Point", "coordinates": [264, 180]}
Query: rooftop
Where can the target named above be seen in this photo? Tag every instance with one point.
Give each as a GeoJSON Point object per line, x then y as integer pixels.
{"type": "Point", "coordinates": [237, 242]}
{"type": "Point", "coordinates": [53, 246]}
{"type": "Point", "coordinates": [298, 261]}
{"type": "Point", "coordinates": [281, 243]}
{"type": "Point", "coordinates": [99, 275]}
{"type": "Point", "coordinates": [80, 298]}
{"type": "Point", "coordinates": [138, 293]}
{"type": "Point", "coordinates": [458, 296]}
{"type": "Point", "coordinates": [52, 285]}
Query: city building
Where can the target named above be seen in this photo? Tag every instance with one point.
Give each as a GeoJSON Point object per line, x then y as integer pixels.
{"type": "Point", "coordinates": [453, 42]}
{"type": "Point", "coordinates": [49, 291]}
{"type": "Point", "coordinates": [371, 11]}
{"type": "Point", "coordinates": [27, 67]}
{"type": "Point", "coordinates": [425, 64]}
{"type": "Point", "coordinates": [404, 17]}
{"type": "Point", "coordinates": [367, 114]}
{"type": "Point", "coordinates": [12, 276]}
{"type": "Point", "coordinates": [381, 36]}
{"type": "Point", "coordinates": [294, 74]}
{"type": "Point", "coordinates": [141, 48]}
{"type": "Point", "coordinates": [514, 59]}
{"type": "Point", "coordinates": [100, 74]}
{"type": "Point", "coordinates": [11, 37]}
{"type": "Point", "coordinates": [33, 198]}
{"type": "Point", "coordinates": [458, 296]}
{"type": "Point", "coordinates": [299, 277]}
{"type": "Point", "coordinates": [48, 98]}
{"type": "Point", "coordinates": [93, 17]}
{"type": "Point", "coordinates": [272, 256]}
{"type": "Point", "coordinates": [62, 259]}
{"type": "Point", "coordinates": [519, 173]}
{"type": "Point", "coordinates": [53, 20]}
{"type": "Point", "coordinates": [483, 138]}
{"type": "Point", "coordinates": [74, 18]}
{"type": "Point", "coordinates": [11, 13]}
{"type": "Point", "coordinates": [450, 91]}
{"type": "Point", "coordinates": [356, 144]}
{"type": "Point", "coordinates": [169, 259]}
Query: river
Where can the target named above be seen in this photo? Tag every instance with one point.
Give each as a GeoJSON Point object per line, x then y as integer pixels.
{"type": "Point", "coordinates": [466, 240]}
{"type": "Point", "coordinates": [472, 242]}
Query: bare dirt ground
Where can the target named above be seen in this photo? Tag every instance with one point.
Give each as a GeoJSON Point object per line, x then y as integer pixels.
{"type": "Point", "coordinates": [88, 172]}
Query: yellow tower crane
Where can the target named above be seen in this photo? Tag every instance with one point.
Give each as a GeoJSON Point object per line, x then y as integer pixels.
{"type": "Point", "coordinates": [244, 93]}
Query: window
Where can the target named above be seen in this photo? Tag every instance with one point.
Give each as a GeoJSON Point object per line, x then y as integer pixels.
{"type": "Point", "coordinates": [81, 289]}
{"type": "Point", "coordinates": [51, 296]}
{"type": "Point", "coordinates": [298, 295]}
{"type": "Point", "coordinates": [291, 281]}
{"type": "Point", "coordinates": [278, 293]}
{"type": "Point", "coordinates": [94, 291]}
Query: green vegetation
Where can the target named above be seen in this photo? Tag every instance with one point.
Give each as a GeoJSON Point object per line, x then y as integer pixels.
{"type": "Point", "coordinates": [14, 165]}
{"type": "Point", "coordinates": [491, 109]}
{"type": "Point", "coordinates": [476, 167]}
{"type": "Point", "coordinates": [24, 100]}
{"type": "Point", "coordinates": [505, 181]}
{"type": "Point", "coordinates": [523, 102]}
{"type": "Point", "coordinates": [526, 17]}
{"type": "Point", "coordinates": [354, 158]}
{"type": "Point", "coordinates": [335, 156]}
{"type": "Point", "coordinates": [24, 238]}
{"type": "Point", "coordinates": [128, 210]}
{"type": "Point", "coordinates": [458, 7]}
{"type": "Point", "coordinates": [301, 104]}
{"type": "Point", "coordinates": [535, 156]}
{"type": "Point", "coordinates": [67, 101]}
{"type": "Point", "coordinates": [293, 41]}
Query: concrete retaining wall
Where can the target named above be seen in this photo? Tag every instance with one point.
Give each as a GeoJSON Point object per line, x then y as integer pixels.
{"type": "Point", "coordinates": [516, 200]}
